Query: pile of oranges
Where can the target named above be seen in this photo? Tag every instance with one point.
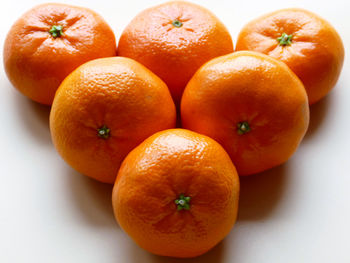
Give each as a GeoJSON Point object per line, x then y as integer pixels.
{"type": "Point", "coordinates": [173, 115]}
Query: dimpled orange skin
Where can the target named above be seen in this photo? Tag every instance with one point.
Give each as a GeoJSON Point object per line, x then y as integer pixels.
{"type": "Point", "coordinates": [118, 93]}
{"type": "Point", "coordinates": [36, 63]}
{"type": "Point", "coordinates": [316, 52]}
{"type": "Point", "coordinates": [254, 88]}
{"type": "Point", "coordinates": [156, 173]}
{"type": "Point", "coordinates": [175, 53]}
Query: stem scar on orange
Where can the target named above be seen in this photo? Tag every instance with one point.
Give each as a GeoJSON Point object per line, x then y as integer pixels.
{"type": "Point", "coordinates": [105, 108]}
{"type": "Point", "coordinates": [307, 43]}
{"type": "Point", "coordinates": [176, 194]}
{"type": "Point", "coordinates": [252, 104]}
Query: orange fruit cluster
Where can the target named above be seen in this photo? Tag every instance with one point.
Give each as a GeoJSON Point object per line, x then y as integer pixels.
{"type": "Point", "coordinates": [116, 118]}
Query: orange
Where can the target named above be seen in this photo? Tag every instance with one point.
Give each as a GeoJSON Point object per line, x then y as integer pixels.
{"type": "Point", "coordinates": [50, 41]}
{"type": "Point", "coordinates": [252, 104]}
{"type": "Point", "coordinates": [104, 109]}
{"type": "Point", "coordinates": [173, 40]}
{"type": "Point", "coordinates": [176, 194]}
{"type": "Point", "coordinates": [307, 43]}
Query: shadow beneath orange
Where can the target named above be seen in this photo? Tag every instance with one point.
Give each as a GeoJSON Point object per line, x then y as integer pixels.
{"type": "Point", "coordinates": [92, 199]}
{"type": "Point", "coordinates": [261, 193]}
{"type": "Point", "coordinates": [318, 113]}
{"type": "Point", "coordinates": [35, 118]}
{"type": "Point", "coordinates": [178, 118]}
{"type": "Point", "coordinates": [214, 255]}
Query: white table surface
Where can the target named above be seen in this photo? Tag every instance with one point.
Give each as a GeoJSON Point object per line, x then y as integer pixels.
{"type": "Point", "coordinates": [298, 212]}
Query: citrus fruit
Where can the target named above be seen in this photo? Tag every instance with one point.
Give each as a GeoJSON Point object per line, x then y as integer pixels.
{"type": "Point", "coordinates": [105, 108]}
{"type": "Point", "coordinates": [48, 42]}
{"type": "Point", "coordinates": [173, 40]}
{"type": "Point", "coordinates": [252, 104]}
{"type": "Point", "coordinates": [307, 43]}
{"type": "Point", "coordinates": [176, 194]}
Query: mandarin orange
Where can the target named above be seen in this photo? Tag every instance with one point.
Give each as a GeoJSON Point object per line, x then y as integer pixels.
{"type": "Point", "coordinates": [173, 40]}
{"type": "Point", "coordinates": [48, 42]}
{"type": "Point", "coordinates": [104, 109]}
{"type": "Point", "coordinates": [307, 43]}
{"type": "Point", "coordinates": [176, 194]}
{"type": "Point", "coordinates": [252, 104]}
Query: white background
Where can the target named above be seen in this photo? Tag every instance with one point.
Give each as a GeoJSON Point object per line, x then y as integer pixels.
{"type": "Point", "coordinates": [298, 212]}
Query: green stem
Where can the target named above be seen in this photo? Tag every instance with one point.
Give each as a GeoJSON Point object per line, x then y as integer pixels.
{"type": "Point", "coordinates": [56, 31]}
{"type": "Point", "coordinates": [243, 128]}
{"type": "Point", "coordinates": [177, 23]}
{"type": "Point", "coordinates": [103, 132]}
{"type": "Point", "coordinates": [285, 39]}
{"type": "Point", "coordinates": [183, 202]}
